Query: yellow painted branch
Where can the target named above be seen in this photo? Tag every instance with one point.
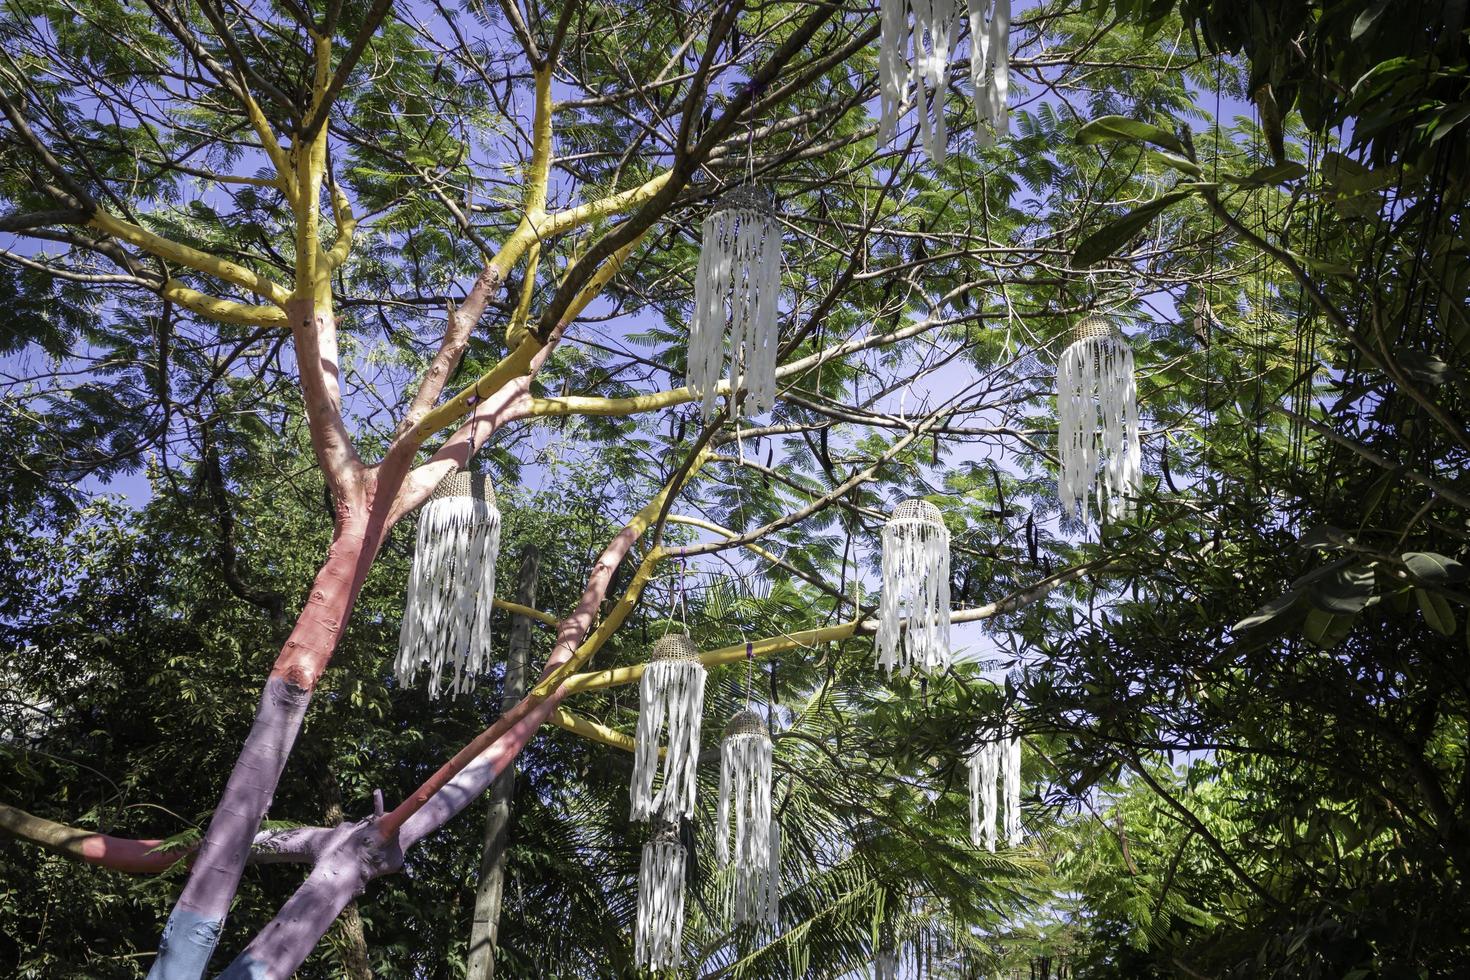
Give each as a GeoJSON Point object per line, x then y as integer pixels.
{"type": "Point", "coordinates": [547, 225]}
{"type": "Point", "coordinates": [631, 405]}
{"type": "Point", "coordinates": [346, 228]}
{"type": "Point", "coordinates": [513, 365]}
{"type": "Point", "coordinates": [192, 258]}
{"type": "Point", "coordinates": [619, 676]}
{"type": "Point", "coordinates": [539, 171]}
{"type": "Point", "coordinates": [587, 728]}
{"type": "Point", "coordinates": [515, 331]}
{"type": "Point", "coordinates": [222, 310]}
{"type": "Point", "coordinates": [520, 610]}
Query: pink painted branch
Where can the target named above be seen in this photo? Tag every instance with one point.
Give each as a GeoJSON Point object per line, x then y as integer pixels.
{"type": "Point", "coordinates": [144, 856]}
{"type": "Point", "coordinates": [457, 332]}
{"type": "Point", "coordinates": [314, 333]}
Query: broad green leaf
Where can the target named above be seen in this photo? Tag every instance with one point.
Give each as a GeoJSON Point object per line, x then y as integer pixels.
{"type": "Point", "coordinates": [1437, 611]}
{"type": "Point", "coordinates": [1432, 568]}
{"type": "Point", "coordinates": [1109, 128]}
{"type": "Point", "coordinates": [1113, 236]}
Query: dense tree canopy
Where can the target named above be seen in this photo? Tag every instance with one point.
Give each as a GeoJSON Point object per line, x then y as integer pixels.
{"type": "Point", "coordinates": [277, 268]}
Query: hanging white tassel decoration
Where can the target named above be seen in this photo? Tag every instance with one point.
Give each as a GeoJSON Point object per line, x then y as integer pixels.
{"type": "Point", "coordinates": [1010, 757]}
{"type": "Point", "coordinates": [1097, 421]}
{"type": "Point", "coordinates": [446, 619]}
{"type": "Point", "coordinates": [931, 38]}
{"type": "Point", "coordinates": [913, 612]}
{"type": "Point", "coordinates": [990, 70]}
{"type": "Point", "coordinates": [671, 698]}
{"type": "Point", "coordinates": [745, 782]}
{"type": "Point", "coordinates": [984, 768]}
{"type": "Point", "coordinates": [656, 942]}
{"type": "Point", "coordinates": [736, 290]}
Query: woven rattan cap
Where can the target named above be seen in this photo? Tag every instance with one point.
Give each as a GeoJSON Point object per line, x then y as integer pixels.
{"type": "Point", "coordinates": [465, 484]}
{"type": "Point", "coordinates": [1093, 326]}
{"type": "Point", "coordinates": [916, 511]}
{"type": "Point", "coordinates": [674, 646]}
{"type": "Point", "coordinates": [746, 197]}
{"type": "Point", "coordinates": [665, 832]}
{"type": "Point", "coordinates": [746, 722]}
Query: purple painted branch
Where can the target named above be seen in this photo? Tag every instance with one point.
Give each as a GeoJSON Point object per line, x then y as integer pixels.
{"type": "Point", "coordinates": [355, 857]}
{"type": "Point", "coordinates": [351, 857]}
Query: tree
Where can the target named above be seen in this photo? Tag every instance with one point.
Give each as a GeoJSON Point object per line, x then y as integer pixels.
{"type": "Point", "coordinates": [369, 225]}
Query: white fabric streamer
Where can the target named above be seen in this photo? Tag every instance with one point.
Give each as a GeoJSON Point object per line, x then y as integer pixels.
{"type": "Point", "coordinates": [885, 965]}
{"type": "Point", "coordinates": [657, 941]}
{"type": "Point", "coordinates": [736, 291]}
{"type": "Point", "coordinates": [913, 612]}
{"type": "Point", "coordinates": [1097, 426]}
{"type": "Point", "coordinates": [446, 619]}
{"type": "Point", "coordinates": [990, 72]}
{"type": "Point", "coordinates": [745, 781]}
{"type": "Point", "coordinates": [1010, 755]}
{"type": "Point", "coordinates": [672, 691]}
{"type": "Point", "coordinates": [984, 768]}
{"type": "Point", "coordinates": [931, 39]}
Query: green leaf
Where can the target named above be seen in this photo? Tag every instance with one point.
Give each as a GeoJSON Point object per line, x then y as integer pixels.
{"type": "Point", "coordinates": [1176, 161]}
{"type": "Point", "coordinates": [1365, 20]}
{"type": "Point", "coordinates": [1432, 568]}
{"type": "Point", "coordinates": [1114, 235]}
{"type": "Point", "coordinates": [1270, 611]}
{"type": "Point", "coordinates": [1325, 629]}
{"type": "Point", "coordinates": [1108, 128]}
{"type": "Point", "coordinates": [1345, 592]}
{"type": "Point", "coordinates": [1276, 174]}
{"type": "Point", "coordinates": [1437, 612]}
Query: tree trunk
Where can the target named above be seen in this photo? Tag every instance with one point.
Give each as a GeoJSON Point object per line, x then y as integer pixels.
{"type": "Point", "coordinates": [485, 927]}
{"type": "Point", "coordinates": [352, 951]}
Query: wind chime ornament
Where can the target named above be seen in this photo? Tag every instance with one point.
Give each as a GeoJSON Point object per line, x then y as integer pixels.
{"type": "Point", "coordinates": [913, 612]}
{"type": "Point", "coordinates": [932, 37]}
{"type": "Point", "coordinates": [446, 619]}
{"type": "Point", "coordinates": [671, 699]}
{"type": "Point", "coordinates": [656, 942]}
{"type": "Point", "coordinates": [995, 759]}
{"type": "Point", "coordinates": [745, 782]}
{"type": "Point", "coordinates": [736, 289]}
{"type": "Point", "coordinates": [1097, 421]}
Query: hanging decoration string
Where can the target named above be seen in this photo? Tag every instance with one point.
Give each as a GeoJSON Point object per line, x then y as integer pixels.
{"type": "Point", "coordinates": [671, 698]}
{"type": "Point", "coordinates": [913, 611]}
{"type": "Point", "coordinates": [997, 760]}
{"type": "Point", "coordinates": [1098, 443]}
{"type": "Point", "coordinates": [657, 944]}
{"type": "Point", "coordinates": [447, 613]}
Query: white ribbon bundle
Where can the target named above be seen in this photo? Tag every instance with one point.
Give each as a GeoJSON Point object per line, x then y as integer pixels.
{"type": "Point", "coordinates": [657, 940]}
{"type": "Point", "coordinates": [671, 697]}
{"type": "Point", "coordinates": [446, 619]}
{"type": "Point", "coordinates": [913, 612]}
{"type": "Point", "coordinates": [1098, 444]}
{"type": "Point", "coordinates": [931, 38]}
{"type": "Point", "coordinates": [745, 782]}
{"type": "Point", "coordinates": [736, 290]}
